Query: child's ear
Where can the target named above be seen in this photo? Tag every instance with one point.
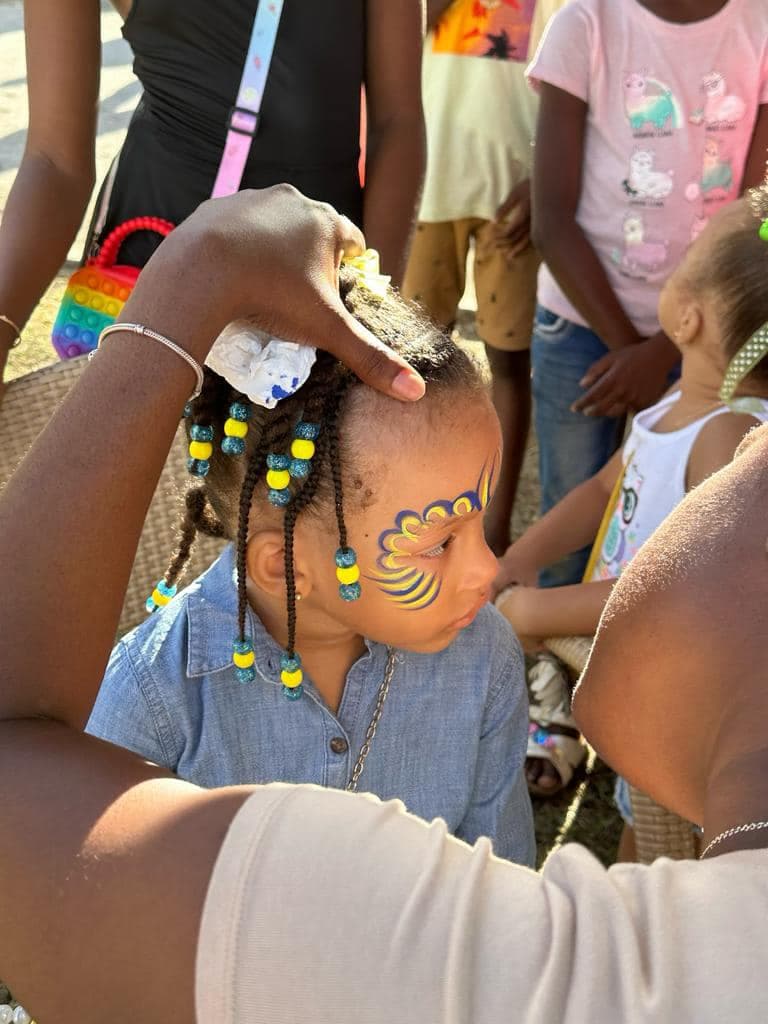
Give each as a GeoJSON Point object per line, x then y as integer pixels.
{"type": "Point", "coordinates": [689, 324]}
{"type": "Point", "coordinates": [265, 564]}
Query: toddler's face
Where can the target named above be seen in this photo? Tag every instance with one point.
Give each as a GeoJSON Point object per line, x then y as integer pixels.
{"type": "Point", "coordinates": [425, 567]}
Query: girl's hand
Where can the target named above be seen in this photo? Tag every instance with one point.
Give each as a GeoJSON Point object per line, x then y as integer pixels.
{"type": "Point", "coordinates": [516, 604]}
{"type": "Point", "coordinates": [512, 224]}
{"type": "Point", "coordinates": [514, 571]}
{"type": "Point", "coordinates": [274, 254]}
{"type": "Point", "coordinates": [628, 379]}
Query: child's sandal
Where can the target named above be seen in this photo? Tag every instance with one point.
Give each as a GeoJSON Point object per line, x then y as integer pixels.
{"type": "Point", "coordinates": [559, 745]}
{"type": "Point", "coordinates": [553, 736]}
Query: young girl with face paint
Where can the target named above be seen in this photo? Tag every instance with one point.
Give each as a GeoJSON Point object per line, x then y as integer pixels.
{"type": "Point", "coordinates": [344, 638]}
{"type": "Point", "coordinates": [715, 307]}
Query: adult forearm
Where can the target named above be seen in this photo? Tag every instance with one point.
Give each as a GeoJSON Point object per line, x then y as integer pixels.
{"type": "Point", "coordinates": [575, 266]}
{"type": "Point", "coordinates": [394, 174]}
{"type": "Point", "coordinates": [44, 210]}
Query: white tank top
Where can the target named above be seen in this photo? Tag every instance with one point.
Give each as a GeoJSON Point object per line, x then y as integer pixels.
{"type": "Point", "coordinates": [651, 486]}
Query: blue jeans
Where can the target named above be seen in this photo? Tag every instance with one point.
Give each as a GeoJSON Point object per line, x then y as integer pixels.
{"type": "Point", "coordinates": [572, 446]}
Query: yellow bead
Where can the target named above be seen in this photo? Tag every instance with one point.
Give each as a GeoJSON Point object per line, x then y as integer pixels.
{"type": "Point", "coordinates": [292, 679]}
{"type": "Point", "coordinates": [278, 479]}
{"type": "Point", "coordinates": [158, 598]}
{"type": "Point", "coordinates": [244, 660]}
{"type": "Point", "coordinates": [301, 449]}
{"type": "Point", "coordinates": [350, 575]}
{"type": "Point", "coordinates": [200, 450]}
{"type": "Point", "coordinates": [235, 428]}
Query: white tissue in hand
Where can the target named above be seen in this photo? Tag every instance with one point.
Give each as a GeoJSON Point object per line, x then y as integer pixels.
{"type": "Point", "coordinates": [265, 369]}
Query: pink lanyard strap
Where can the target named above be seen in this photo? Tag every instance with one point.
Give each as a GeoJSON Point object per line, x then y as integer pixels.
{"type": "Point", "coordinates": [243, 120]}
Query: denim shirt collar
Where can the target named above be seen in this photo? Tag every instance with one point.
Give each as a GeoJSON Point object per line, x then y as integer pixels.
{"type": "Point", "coordinates": [212, 626]}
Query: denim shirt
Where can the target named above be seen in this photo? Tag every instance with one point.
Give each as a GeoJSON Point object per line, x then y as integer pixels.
{"type": "Point", "coordinates": [451, 741]}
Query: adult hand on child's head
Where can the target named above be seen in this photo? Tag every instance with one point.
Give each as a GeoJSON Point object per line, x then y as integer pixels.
{"type": "Point", "coordinates": [274, 254]}
{"type": "Point", "coordinates": [626, 379]}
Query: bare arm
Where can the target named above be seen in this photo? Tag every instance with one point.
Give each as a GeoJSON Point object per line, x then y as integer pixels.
{"type": "Point", "coordinates": [555, 611]}
{"type": "Point", "coordinates": [755, 169]}
{"type": "Point", "coordinates": [569, 526]}
{"type": "Point", "coordinates": [396, 150]}
{"type": "Point", "coordinates": [435, 11]}
{"type": "Point", "coordinates": [117, 896]}
{"type": "Point", "coordinates": [557, 180]}
{"type": "Point", "coordinates": [56, 175]}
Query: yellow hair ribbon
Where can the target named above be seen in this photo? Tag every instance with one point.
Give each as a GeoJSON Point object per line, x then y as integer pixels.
{"type": "Point", "coordinates": [367, 269]}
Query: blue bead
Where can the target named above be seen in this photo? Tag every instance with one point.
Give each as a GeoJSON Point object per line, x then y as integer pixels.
{"type": "Point", "coordinates": [200, 433]}
{"type": "Point", "coordinates": [299, 468]}
{"type": "Point", "coordinates": [239, 411]}
{"type": "Point", "coordinates": [150, 605]}
{"type": "Point", "coordinates": [350, 591]}
{"type": "Point", "coordinates": [293, 693]}
{"type": "Point", "coordinates": [278, 461]}
{"type": "Point", "coordinates": [279, 498]}
{"type": "Point", "coordinates": [306, 431]}
{"type": "Point", "coordinates": [187, 410]}
{"type": "Point", "coordinates": [245, 675]}
{"type": "Point", "coordinates": [233, 445]}
{"type": "Point", "coordinates": [345, 558]}
{"type": "Point", "coordinates": [198, 467]}
{"type": "Point", "coordinates": [290, 664]}
{"type": "Point", "coordinates": [242, 646]}
{"type": "Point", "coordinates": [165, 590]}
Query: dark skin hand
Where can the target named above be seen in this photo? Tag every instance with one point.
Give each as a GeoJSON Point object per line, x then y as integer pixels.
{"type": "Point", "coordinates": [118, 895]}
{"type": "Point", "coordinates": [512, 224]}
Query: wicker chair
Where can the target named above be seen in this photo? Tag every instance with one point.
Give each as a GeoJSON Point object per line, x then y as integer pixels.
{"type": "Point", "coordinates": [658, 832]}
{"type": "Point", "coordinates": [28, 404]}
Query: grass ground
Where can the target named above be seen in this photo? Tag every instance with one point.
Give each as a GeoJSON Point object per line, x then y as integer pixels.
{"type": "Point", "coordinates": [584, 812]}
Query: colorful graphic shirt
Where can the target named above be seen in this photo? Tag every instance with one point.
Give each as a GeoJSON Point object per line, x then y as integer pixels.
{"type": "Point", "coordinates": [480, 113]}
{"type": "Point", "coordinates": [486, 28]}
{"type": "Point", "coordinates": [672, 109]}
{"type": "Point", "coordinates": [651, 486]}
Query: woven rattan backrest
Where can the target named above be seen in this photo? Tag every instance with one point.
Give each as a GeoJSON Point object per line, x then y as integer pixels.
{"type": "Point", "coordinates": [28, 404]}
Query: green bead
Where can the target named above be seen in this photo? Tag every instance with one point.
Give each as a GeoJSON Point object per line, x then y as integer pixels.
{"type": "Point", "coordinates": [764, 230]}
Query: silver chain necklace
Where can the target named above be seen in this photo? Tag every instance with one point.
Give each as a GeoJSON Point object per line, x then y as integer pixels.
{"type": "Point", "coordinates": [357, 771]}
{"type": "Point", "coordinates": [752, 826]}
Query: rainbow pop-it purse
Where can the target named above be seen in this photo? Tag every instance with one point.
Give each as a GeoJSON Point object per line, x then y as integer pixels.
{"type": "Point", "coordinates": [97, 292]}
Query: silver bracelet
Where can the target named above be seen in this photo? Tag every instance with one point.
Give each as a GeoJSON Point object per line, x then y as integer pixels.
{"type": "Point", "coordinates": [148, 333]}
{"type": "Point", "coordinates": [17, 330]}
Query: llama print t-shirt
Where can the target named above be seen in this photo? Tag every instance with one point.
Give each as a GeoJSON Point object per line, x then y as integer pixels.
{"type": "Point", "coordinates": [672, 109]}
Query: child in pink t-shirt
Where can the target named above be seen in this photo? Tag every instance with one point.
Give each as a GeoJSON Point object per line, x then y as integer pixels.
{"type": "Point", "coordinates": [652, 115]}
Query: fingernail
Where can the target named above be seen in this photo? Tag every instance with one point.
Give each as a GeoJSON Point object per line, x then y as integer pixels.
{"type": "Point", "coordinates": [583, 382]}
{"type": "Point", "coordinates": [409, 385]}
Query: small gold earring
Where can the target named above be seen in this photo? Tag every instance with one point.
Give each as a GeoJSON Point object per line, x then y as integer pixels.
{"type": "Point", "coordinates": [298, 597]}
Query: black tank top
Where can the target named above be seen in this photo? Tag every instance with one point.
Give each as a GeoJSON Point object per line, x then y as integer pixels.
{"type": "Point", "coordinates": [188, 56]}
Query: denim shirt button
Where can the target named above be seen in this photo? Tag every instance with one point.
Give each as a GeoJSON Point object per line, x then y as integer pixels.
{"type": "Point", "coordinates": [339, 745]}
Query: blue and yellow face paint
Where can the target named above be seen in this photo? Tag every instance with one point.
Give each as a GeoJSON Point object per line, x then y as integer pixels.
{"type": "Point", "coordinates": [395, 574]}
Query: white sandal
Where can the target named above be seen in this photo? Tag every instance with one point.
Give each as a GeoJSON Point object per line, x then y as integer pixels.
{"type": "Point", "coordinates": [553, 735]}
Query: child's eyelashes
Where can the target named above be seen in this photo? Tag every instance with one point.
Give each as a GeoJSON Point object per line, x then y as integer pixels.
{"type": "Point", "coordinates": [438, 550]}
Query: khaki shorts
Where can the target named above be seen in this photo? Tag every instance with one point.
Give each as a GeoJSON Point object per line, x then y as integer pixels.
{"type": "Point", "coordinates": [506, 292]}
